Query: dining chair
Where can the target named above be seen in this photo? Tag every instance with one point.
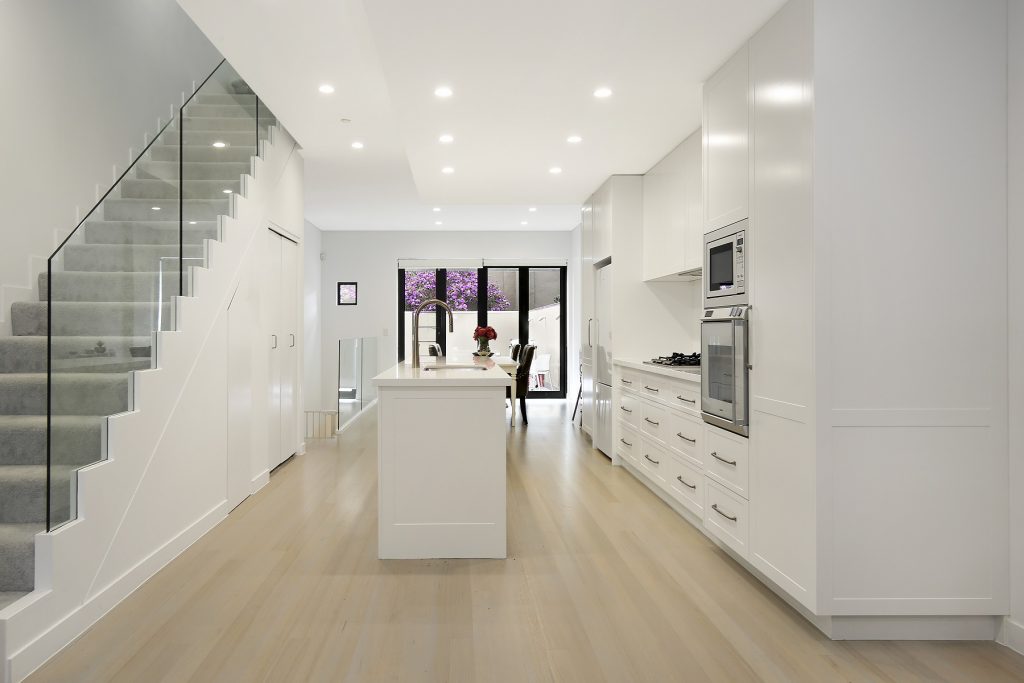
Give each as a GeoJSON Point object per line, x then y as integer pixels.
{"type": "Point", "coordinates": [522, 378]}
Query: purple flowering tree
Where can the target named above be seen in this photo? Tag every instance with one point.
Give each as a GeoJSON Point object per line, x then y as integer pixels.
{"type": "Point", "coordinates": [461, 294]}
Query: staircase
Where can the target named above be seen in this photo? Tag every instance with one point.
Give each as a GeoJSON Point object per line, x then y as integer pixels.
{"type": "Point", "coordinates": [112, 288]}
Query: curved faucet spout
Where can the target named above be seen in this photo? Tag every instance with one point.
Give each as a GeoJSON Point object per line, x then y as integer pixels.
{"type": "Point", "coordinates": [416, 326]}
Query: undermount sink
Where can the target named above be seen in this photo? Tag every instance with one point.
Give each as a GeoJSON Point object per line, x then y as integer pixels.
{"type": "Point", "coordinates": [435, 368]}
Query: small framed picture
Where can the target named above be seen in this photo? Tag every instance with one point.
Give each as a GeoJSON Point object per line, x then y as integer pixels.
{"type": "Point", "coordinates": [348, 293]}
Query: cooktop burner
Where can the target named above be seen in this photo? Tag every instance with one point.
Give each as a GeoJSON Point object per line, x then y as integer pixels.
{"type": "Point", "coordinates": [677, 360]}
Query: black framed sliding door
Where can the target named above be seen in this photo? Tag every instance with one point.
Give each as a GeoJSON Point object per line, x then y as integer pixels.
{"type": "Point", "coordinates": [519, 302]}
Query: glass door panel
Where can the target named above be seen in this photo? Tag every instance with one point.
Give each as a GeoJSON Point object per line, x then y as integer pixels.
{"type": "Point", "coordinates": [545, 329]}
{"type": "Point", "coordinates": [503, 308]}
{"type": "Point", "coordinates": [718, 355]}
{"type": "Point", "coordinates": [420, 285]}
{"type": "Point", "coordinates": [461, 294]}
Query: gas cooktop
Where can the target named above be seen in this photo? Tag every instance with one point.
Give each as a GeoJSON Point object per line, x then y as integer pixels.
{"type": "Point", "coordinates": [676, 360]}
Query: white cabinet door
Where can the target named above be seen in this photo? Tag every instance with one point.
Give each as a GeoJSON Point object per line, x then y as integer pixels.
{"type": "Point", "coordinates": [602, 217]}
{"type": "Point", "coordinates": [587, 339]}
{"type": "Point", "coordinates": [673, 230]}
{"type": "Point", "coordinates": [588, 399]}
{"type": "Point", "coordinates": [272, 301]}
{"type": "Point", "coordinates": [289, 348]}
{"type": "Point", "coordinates": [726, 172]}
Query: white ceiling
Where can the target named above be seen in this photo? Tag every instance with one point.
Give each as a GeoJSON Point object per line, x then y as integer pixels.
{"type": "Point", "coordinates": [523, 75]}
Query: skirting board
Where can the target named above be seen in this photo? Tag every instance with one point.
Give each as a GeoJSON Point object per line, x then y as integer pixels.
{"type": "Point", "coordinates": [860, 627]}
{"type": "Point", "coordinates": [23, 662]}
{"type": "Point", "coordinates": [1012, 635]}
{"type": "Point", "coordinates": [260, 480]}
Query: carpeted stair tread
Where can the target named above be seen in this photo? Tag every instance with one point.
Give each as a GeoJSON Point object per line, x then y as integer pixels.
{"type": "Point", "coordinates": [120, 258]}
{"type": "Point", "coordinates": [23, 493]}
{"type": "Point", "coordinates": [17, 556]}
{"type": "Point", "coordinates": [116, 287]}
{"type": "Point", "coordinates": [28, 353]}
{"type": "Point", "coordinates": [77, 439]}
{"type": "Point", "coordinates": [85, 318]}
{"type": "Point", "coordinates": [73, 393]}
{"type": "Point", "coordinates": [145, 188]}
{"type": "Point", "coordinates": [219, 123]}
{"type": "Point", "coordinates": [193, 170]}
{"type": "Point", "coordinates": [165, 209]}
{"type": "Point", "coordinates": [203, 153]}
{"type": "Point", "coordinates": [148, 232]}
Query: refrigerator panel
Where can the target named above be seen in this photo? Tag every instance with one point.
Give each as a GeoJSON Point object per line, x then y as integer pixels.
{"type": "Point", "coordinates": [603, 327]}
{"type": "Point", "coordinates": [602, 434]}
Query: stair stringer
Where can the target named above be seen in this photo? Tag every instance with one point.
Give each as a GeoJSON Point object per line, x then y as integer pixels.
{"type": "Point", "coordinates": [139, 508]}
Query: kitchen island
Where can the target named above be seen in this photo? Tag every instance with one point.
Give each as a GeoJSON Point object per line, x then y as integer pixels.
{"type": "Point", "coordinates": [441, 460]}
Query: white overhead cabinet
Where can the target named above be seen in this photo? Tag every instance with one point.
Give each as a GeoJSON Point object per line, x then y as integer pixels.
{"type": "Point", "coordinates": [673, 226]}
{"type": "Point", "coordinates": [282, 322]}
{"type": "Point", "coordinates": [725, 140]}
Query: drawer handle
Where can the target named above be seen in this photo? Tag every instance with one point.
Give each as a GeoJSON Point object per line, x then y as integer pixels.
{"type": "Point", "coordinates": [625, 408]}
{"type": "Point", "coordinates": [656, 462]}
{"type": "Point", "coordinates": [685, 438]}
{"type": "Point", "coordinates": [714, 454]}
{"type": "Point", "coordinates": [625, 381]}
{"type": "Point", "coordinates": [626, 442]}
{"type": "Point", "coordinates": [687, 484]}
{"type": "Point", "coordinates": [654, 389]}
{"type": "Point", "coordinates": [714, 507]}
{"type": "Point", "coordinates": [688, 400]}
{"type": "Point", "coordinates": [649, 420]}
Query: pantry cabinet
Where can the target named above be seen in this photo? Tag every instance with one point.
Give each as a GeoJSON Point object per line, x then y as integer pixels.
{"type": "Point", "coordinates": [725, 141]}
{"type": "Point", "coordinates": [673, 227]}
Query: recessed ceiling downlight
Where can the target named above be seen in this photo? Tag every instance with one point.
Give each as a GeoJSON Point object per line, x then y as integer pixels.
{"type": "Point", "coordinates": [326, 88]}
{"type": "Point", "coordinates": [523, 223]}
{"type": "Point", "coordinates": [446, 139]}
{"type": "Point", "coordinates": [155, 208]}
{"type": "Point", "coordinates": [555, 170]}
{"type": "Point", "coordinates": [443, 91]}
{"type": "Point", "coordinates": [219, 144]}
{"type": "Point", "coordinates": [574, 139]}
{"type": "Point", "coordinates": [357, 145]}
{"type": "Point", "coordinates": [603, 92]}
{"type": "Point", "coordinates": [436, 209]}
{"type": "Point", "coordinates": [226, 191]}
{"type": "Point", "coordinates": [438, 223]}
{"type": "Point", "coordinates": [532, 209]}
{"type": "Point", "coordinates": [447, 170]}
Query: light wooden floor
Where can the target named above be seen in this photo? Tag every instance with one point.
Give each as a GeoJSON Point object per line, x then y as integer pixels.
{"type": "Point", "coordinates": [603, 583]}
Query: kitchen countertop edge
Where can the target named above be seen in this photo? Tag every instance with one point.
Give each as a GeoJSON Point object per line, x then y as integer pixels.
{"type": "Point", "coordinates": [690, 374]}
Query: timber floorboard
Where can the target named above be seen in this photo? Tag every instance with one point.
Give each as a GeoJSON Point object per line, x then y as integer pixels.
{"type": "Point", "coordinates": [604, 582]}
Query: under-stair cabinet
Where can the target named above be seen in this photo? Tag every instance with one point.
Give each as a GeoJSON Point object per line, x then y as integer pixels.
{"type": "Point", "coordinates": [282, 323]}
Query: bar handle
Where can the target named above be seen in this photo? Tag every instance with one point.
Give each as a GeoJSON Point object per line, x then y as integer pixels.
{"type": "Point", "coordinates": [714, 506]}
{"type": "Point", "coordinates": [656, 462]}
{"type": "Point", "coordinates": [687, 484]}
{"type": "Point", "coordinates": [714, 454]}
{"type": "Point", "coordinates": [685, 438]}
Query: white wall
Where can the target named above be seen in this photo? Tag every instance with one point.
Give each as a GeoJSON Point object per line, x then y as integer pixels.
{"type": "Point", "coordinates": [1013, 634]}
{"type": "Point", "coordinates": [312, 307]}
{"type": "Point", "coordinates": [84, 81]}
{"type": "Point", "coordinates": [371, 258]}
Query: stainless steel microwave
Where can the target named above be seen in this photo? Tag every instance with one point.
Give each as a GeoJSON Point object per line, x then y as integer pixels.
{"type": "Point", "coordinates": [725, 272]}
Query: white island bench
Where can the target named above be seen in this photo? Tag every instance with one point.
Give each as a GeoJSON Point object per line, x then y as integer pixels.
{"type": "Point", "coordinates": [441, 465]}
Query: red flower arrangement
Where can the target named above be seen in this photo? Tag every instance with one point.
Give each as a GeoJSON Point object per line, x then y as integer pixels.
{"type": "Point", "coordinates": [485, 333]}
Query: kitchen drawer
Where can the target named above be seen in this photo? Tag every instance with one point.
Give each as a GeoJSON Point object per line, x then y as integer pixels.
{"type": "Point", "coordinates": [655, 421]}
{"type": "Point", "coordinates": [628, 444]}
{"type": "Point", "coordinates": [656, 463]}
{"type": "Point", "coordinates": [653, 386]}
{"type": "Point", "coordinates": [687, 485]}
{"type": "Point", "coordinates": [686, 437]}
{"type": "Point", "coordinates": [726, 517]}
{"type": "Point", "coordinates": [725, 460]}
{"type": "Point", "coordinates": [629, 380]}
{"type": "Point", "coordinates": [627, 408]}
{"type": "Point", "coordinates": [682, 394]}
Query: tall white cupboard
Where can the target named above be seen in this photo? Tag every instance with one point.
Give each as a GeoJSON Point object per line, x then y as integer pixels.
{"type": "Point", "coordinates": [878, 457]}
{"type": "Point", "coordinates": [282, 320]}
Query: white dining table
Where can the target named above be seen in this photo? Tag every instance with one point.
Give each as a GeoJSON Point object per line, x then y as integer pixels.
{"type": "Point", "coordinates": [504, 362]}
